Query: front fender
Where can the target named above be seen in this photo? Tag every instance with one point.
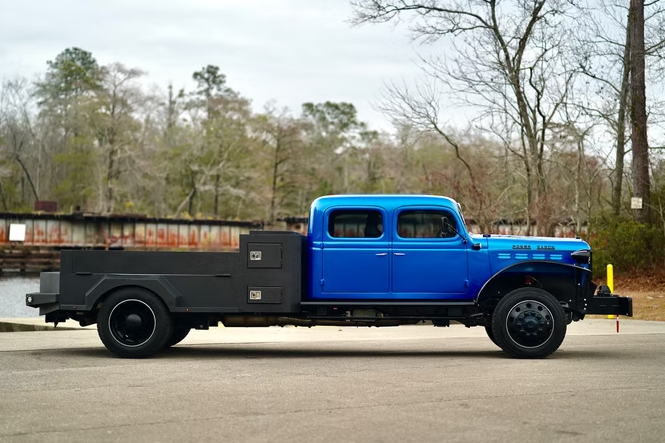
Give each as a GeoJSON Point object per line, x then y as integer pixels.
{"type": "Point", "coordinates": [570, 284]}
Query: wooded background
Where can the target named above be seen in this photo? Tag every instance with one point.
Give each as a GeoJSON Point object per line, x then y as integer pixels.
{"type": "Point", "coordinates": [560, 95]}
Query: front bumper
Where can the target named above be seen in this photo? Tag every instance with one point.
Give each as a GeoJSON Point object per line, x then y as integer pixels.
{"type": "Point", "coordinates": [609, 304]}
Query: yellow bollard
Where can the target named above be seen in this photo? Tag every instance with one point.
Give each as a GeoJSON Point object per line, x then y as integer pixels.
{"type": "Point", "coordinates": [610, 281]}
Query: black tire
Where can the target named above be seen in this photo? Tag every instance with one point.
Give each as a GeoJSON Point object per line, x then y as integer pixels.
{"type": "Point", "coordinates": [490, 334]}
{"type": "Point", "coordinates": [134, 323]}
{"type": "Point", "coordinates": [529, 323]}
{"type": "Point", "coordinates": [179, 333]}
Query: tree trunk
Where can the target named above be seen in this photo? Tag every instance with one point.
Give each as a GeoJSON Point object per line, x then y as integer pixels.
{"type": "Point", "coordinates": [27, 175]}
{"type": "Point", "coordinates": [578, 179]}
{"type": "Point", "coordinates": [621, 122]}
{"type": "Point", "coordinates": [638, 113]}
{"type": "Point", "coordinates": [274, 185]}
{"type": "Point", "coordinates": [191, 201]}
{"type": "Point", "coordinates": [109, 182]}
{"type": "Point", "coordinates": [182, 205]}
{"type": "Point", "coordinates": [529, 199]}
{"type": "Point", "coordinates": [216, 195]}
{"type": "Point", "coordinates": [192, 194]}
{"type": "Point", "coordinates": [2, 194]}
{"type": "Point", "coordinates": [544, 224]}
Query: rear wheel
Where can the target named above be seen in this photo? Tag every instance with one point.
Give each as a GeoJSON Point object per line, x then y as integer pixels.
{"type": "Point", "coordinates": [529, 323]}
{"type": "Point", "coordinates": [178, 335]}
{"type": "Point", "coordinates": [134, 323]}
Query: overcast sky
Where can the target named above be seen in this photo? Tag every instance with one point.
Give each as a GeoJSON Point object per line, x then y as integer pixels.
{"type": "Point", "coordinates": [292, 51]}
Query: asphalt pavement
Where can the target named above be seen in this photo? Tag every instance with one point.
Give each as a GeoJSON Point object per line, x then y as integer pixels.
{"type": "Point", "coordinates": [326, 384]}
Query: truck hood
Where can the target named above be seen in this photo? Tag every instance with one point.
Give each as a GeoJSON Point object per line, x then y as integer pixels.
{"type": "Point", "coordinates": [505, 250]}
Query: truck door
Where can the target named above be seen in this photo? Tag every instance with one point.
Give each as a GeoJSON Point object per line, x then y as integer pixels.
{"type": "Point", "coordinates": [356, 254]}
{"type": "Point", "coordinates": [428, 264]}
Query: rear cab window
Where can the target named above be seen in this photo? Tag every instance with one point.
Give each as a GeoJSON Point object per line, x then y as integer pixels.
{"type": "Point", "coordinates": [356, 223]}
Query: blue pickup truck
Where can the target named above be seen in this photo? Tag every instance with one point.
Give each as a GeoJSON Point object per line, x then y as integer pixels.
{"type": "Point", "coordinates": [367, 260]}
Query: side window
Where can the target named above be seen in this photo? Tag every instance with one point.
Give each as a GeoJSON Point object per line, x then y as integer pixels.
{"type": "Point", "coordinates": [424, 224]}
{"type": "Point", "coordinates": [358, 224]}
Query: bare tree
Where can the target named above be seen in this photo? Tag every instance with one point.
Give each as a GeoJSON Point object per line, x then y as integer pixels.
{"type": "Point", "coordinates": [638, 112]}
{"type": "Point", "coordinates": [605, 60]}
{"type": "Point", "coordinates": [282, 139]}
{"type": "Point", "coordinates": [119, 97]}
{"type": "Point", "coordinates": [18, 127]}
{"type": "Point", "coordinates": [508, 61]}
{"type": "Point", "coordinates": [421, 108]}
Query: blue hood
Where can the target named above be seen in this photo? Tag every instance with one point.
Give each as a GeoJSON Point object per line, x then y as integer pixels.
{"type": "Point", "coordinates": [505, 250]}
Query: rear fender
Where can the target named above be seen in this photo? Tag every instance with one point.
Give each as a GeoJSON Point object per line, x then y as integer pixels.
{"type": "Point", "coordinates": [156, 284]}
{"type": "Point", "coordinates": [570, 284]}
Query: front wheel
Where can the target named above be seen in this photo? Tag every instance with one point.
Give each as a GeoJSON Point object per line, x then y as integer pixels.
{"type": "Point", "coordinates": [490, 334]}
{"type": "Point", "coordinates": [529, 323]}
{"type": "Point", "coordinates": [134, 323]}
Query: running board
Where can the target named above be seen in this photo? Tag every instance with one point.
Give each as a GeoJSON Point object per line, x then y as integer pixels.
{"type": "Point", "coordinates": [383, 303]}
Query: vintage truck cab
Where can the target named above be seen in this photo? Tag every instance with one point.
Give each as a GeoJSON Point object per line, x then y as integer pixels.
{"type": "Point", "coordinates": [367, 260]}
{"type": "Point", "coordinates": [406, 256]}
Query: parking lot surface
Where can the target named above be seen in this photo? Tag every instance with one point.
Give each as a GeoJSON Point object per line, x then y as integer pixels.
{"type": "Point", "coordinates": [411, 383]}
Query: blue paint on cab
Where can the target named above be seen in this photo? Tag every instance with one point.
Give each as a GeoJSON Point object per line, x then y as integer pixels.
{"type": "Point", "coordinates": [396, 262]}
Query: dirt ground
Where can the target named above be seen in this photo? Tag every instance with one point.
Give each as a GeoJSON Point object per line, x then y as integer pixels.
{"type": "Point", "coordinates": [647, 291]}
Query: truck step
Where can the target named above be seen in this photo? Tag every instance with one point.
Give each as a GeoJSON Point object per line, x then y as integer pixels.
{"type": "Point", "coordinates": [383, 303]}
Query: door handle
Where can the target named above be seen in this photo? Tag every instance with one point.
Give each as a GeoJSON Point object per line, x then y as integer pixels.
{"type": "Point", "coordinates": [382, 254]}
{"type": "Point", "coordinates": [399, 253]}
